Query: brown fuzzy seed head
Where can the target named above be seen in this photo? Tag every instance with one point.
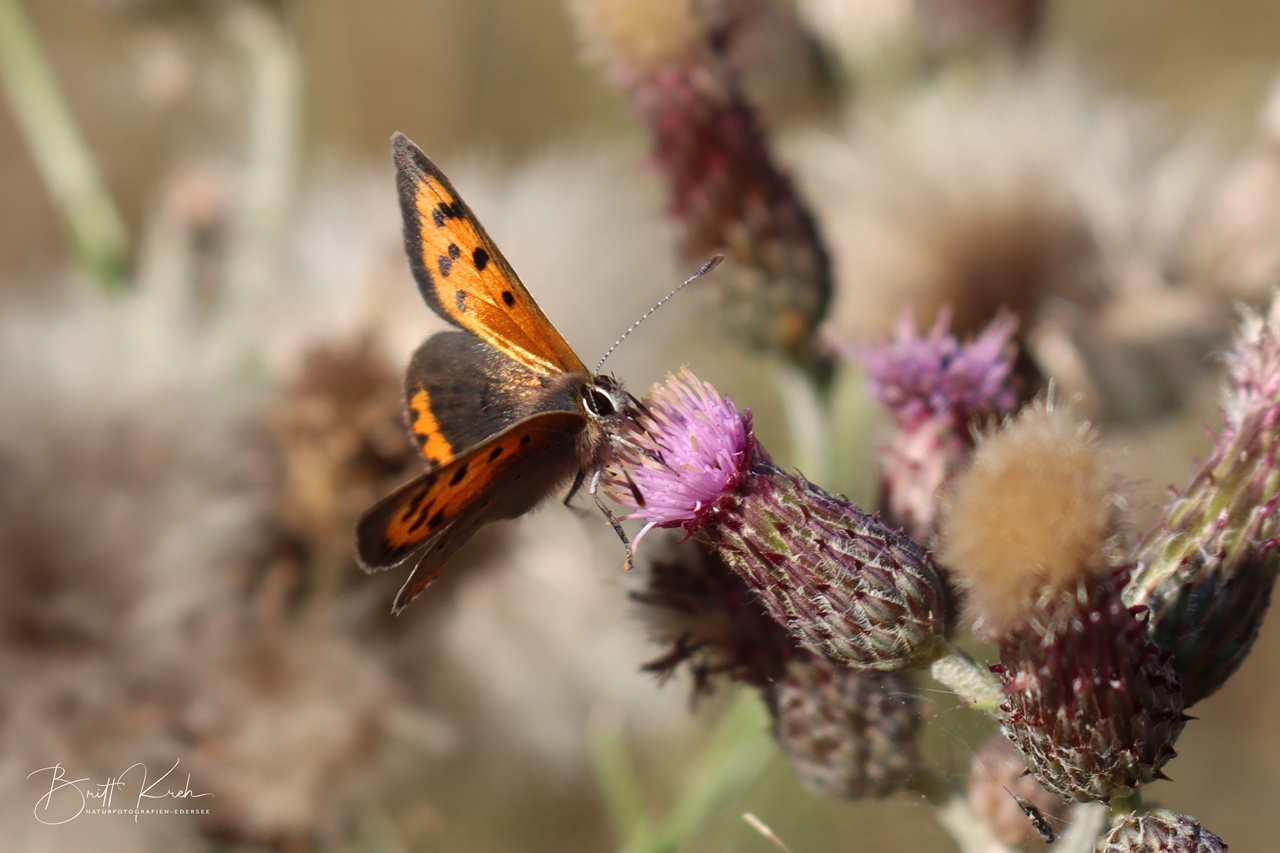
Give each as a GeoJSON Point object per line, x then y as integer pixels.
{"type": "Point", "coordinates": [1160, 831]}
{"type": "Point", "coordinates": [1032, 513]}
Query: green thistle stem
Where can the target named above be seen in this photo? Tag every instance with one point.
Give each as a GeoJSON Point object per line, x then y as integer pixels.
{"type": "Point", "coordinates": [60, 152]}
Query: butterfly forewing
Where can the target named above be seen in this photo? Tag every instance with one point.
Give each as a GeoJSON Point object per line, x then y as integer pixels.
{"type": "Point", "coordinates": [461, 273]}
{"type": "Point", "coordinates": [431, 517]}
{"type": "Point", "coordinates": [460, 392]}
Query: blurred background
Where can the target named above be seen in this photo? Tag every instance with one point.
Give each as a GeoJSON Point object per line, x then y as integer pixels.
{"type": "Point", "coordinates": [205, 309]}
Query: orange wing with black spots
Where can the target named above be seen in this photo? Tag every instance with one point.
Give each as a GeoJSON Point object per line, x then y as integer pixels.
{"type": "Point", "coordinates": [461, 273]}
{"type": "Point", "coordinates": [429, 518]}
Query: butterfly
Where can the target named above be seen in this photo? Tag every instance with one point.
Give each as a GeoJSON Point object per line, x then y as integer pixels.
{"type": "Point", "coordinates": [504, 411]}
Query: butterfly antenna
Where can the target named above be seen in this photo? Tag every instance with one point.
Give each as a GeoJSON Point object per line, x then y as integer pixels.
{"type": "Point", "coordinates": [702, 270]}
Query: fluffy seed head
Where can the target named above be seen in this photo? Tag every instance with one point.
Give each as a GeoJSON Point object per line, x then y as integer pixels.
{"type": "Point", "coordinates": [1032, 513]}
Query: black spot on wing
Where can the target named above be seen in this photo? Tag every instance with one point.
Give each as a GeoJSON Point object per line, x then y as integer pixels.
{"type": "Point", "coordinates": [459, 474]}
{"type": "Point", "coordinates": [454, 251]}
{"type": "Point", "coordinates": [445, 263]}
{"type": "Point", "coordinates": [435, 520]}
{"type": "Point", "coordinates": [461, 299]}
{"type": "Point", "coordinates": [495, 453]}
{"type": "Point", "coordinates": [420, 517]}
{"type": "Point", "coordinates": [480, 258]}
{"type": "Point", "coordinates": [508, 299]}
{"type": "Point", "coordinates": [446, 210]}
{"type": "Point", "coordinates": [525, 439]}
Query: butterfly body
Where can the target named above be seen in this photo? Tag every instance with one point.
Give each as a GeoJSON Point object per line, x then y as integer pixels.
{"type": "Point", "coordinates": [503, 411]}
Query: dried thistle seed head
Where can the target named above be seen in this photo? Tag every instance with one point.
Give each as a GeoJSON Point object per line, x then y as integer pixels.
{"type": "Point", "coordinates": [846, 585]}
{"type": "Point", "coordinates": [1160, 831]}
{"type": "Point", "coordinates": [1032, 514]}
{"type": "Point", "coordinates": [934, 386]}
{"type": "Point", "coordinates": [726, 191]}
{"type": "Point", "coordinates": [1206, 572]}
{"type": "Point", "coordinates": [998, 778]}
{"type": "Point", "coordinates": [711, 622]}
{"type": "Point", "coordinates": [1090, 700]}
{"type": "Point", "coordinates": [846, 733]}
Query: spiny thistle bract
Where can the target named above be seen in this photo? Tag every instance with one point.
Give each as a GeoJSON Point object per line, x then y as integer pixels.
{"type": "Point", "coordinates": [847, 586]}
{"type": "Point", "coordinates": [1206, 572]}
{"type": "Point", "coordinates": [846, 733]}
{"type": "Point", "coordinates": [1090, 700]}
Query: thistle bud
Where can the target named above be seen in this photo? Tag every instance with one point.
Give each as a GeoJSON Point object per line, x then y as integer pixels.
{"type": "Point", "coordinates": [934, 386]}
{"type": "Point", "coordinates": [1206, 573]}
{"type": "Point", "coordinates": [846, 733]}
{"type": "Point", "coordinates": [1160, 830]}
{"type": "Point", "coordinates": [847, 586]}
{"type": "Point", "coordinates": [726, 192]}
{"type": "Point", "coordinates": [999, 783]}
{"type": "Point", "coordinates": [1090, 701]}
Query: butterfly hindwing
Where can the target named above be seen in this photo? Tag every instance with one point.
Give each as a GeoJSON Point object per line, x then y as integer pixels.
{"type": "Point", "coordinates": [461, 273]}
{"type": "Point", "coordinates": [432, 516]}
{"type": "Point", "coordinates": [460, 392]}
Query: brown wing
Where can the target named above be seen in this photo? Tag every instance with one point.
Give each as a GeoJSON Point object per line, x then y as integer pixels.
{"type": "Point", "coordinates": [429, 518]}
{"type": "Point", "coordinates": [461, 273]}
{"type": "Point", "coordinates": [460, 392]}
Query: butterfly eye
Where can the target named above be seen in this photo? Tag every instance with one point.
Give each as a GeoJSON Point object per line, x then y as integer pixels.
{"type": "Point", "coordinates": [600, 403]}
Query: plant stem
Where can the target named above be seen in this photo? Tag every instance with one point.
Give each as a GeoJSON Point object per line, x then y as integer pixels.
{"type": "Point", "coordinates": [969, 680]}
{"type": "Point", "coordinates": [61, 154]}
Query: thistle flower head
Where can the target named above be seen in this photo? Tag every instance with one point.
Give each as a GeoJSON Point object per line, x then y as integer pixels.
{"type": "Point", "coordinates": [999, 785]}
{"type": "Point", "coordinates": [845, 585]}
{"type": "Point", "coordinates": [1206, 572]}
{"type": "Point", "coordinates": [695, 449]}
{"type": "Point", "coordinates": [1254, 367]}
{"type": "Point", "coordinates": [1162, 830]}
{"type": "Point", "coordinates": [846, 733]}
{"type": "Point", "coordinates": [919, 376]}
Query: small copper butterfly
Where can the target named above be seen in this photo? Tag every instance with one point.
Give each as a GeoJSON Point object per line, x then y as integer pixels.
{"type": "Point", "coordinates": [504, 411]}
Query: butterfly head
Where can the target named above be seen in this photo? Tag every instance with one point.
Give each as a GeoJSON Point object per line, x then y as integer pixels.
{"type": "Point", "coordinates": [603, 397]}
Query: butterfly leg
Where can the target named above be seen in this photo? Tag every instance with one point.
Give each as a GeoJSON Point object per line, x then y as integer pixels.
{"type": "Point", "coordinates": [577, 484]}
{"type": "Point", "coordinates": [594, 489]}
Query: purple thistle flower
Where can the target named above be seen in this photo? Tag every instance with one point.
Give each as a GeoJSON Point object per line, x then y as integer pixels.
{"type": "Point", "coordinates": [846, 586]}
{"type": "Point", "coordinates": [698, 449]}
{"type": "Point", "coordinates": [935, 376]}
{"type": "Point", "coordinates": [934, 385]}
